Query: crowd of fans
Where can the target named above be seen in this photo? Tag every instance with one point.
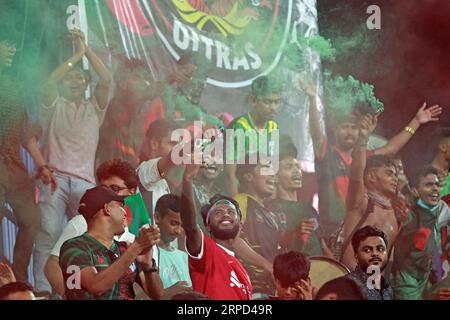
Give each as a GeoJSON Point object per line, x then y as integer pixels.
{"type": "Point", "coordinates": [216, 230]}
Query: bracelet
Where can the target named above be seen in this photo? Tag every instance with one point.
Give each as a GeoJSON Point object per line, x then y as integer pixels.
{"type": "Point", "coordinates": [410, 130]}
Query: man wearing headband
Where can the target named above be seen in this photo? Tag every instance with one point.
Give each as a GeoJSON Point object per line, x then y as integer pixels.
{"type": "Point", "coordinates": [214, 269]}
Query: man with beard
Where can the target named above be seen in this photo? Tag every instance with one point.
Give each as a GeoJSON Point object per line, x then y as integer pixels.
{"type": "Point", "coordinates": [214, 269]}
{"type": "Point", "coordinates": [260, 226]}
{"type": "Point", "coordinates": [333, 161]}
{"type": "Point", "coordinates": [370, 252]}
{"type": "Point", "coordinates": [421, 245]}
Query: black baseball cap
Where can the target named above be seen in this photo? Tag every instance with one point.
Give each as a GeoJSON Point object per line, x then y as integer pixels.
{"type": "Point", "coordinates": [94, 200]}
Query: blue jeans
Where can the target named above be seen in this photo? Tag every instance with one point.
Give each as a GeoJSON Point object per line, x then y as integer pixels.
{"type": "Point", "coordinates": [64, 201]}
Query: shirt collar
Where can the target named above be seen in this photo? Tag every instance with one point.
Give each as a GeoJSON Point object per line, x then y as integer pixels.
{"type": "Point", "coordinates": [231, 253]}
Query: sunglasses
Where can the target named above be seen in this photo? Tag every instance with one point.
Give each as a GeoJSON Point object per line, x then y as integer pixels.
{"type": "Point", "coordinates": [115, 188]}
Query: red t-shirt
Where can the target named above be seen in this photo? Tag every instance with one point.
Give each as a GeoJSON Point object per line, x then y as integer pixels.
{"type": "Point", "coordinates": [218, 274]}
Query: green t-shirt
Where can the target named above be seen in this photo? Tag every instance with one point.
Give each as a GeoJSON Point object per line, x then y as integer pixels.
{"type": "Point", "coordinates": [252, 144]}
{"type": "Point", "coordinates": [173, 267]}
{"type": "Point", "coordinates": [86, 251]}
{"type": "Point", "coordinates": [445, 185]}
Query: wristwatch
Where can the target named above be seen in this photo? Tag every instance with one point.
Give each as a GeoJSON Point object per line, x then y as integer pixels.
{"type": "Point", "coordinates": [153, 268]}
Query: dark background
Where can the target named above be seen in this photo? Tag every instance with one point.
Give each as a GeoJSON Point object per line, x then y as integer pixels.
{"type": "Point", "coordinates": [408, 61]}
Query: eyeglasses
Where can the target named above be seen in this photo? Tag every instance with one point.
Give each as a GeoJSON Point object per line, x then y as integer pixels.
{"type": "Point", "coordinates": [115, 187]}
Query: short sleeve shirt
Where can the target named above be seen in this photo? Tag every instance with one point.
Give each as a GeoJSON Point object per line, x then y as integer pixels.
{"type": "Point", "coordinates": [85, 251]}
{"type": "Point", "coordinates": [71, 136]}
{"type": "Point", "coordinates": [217, 273]}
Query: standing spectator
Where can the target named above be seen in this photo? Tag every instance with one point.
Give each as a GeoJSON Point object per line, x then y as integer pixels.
{"type": "Point", "coordinates": [260, 226]}
{"type": "Point", "coordinates": [265, 103]}
{"type": "Point", "coordinates": [300, 219]}
{"type": "Point", "coordinates": [157, 158]}
{"type": "Point", "coordinates": [72, 130]}
{"type": "Point", "coordinates": [124, 128]}
{"type": "Point", "coordinates": [333, 160]}
{"type": "Point", "coordinates": [108, 268]}
{"type": "Point", "coordinates": [214, 269]}
{"type": "Point", "coordinates": [370, 250]}
{"type": "Point", "coordinates": [373, 186]}
{"type": "Point", "coordinates": [173, 263]}
{"type": "Point", "coordinates": [16, 131]}
{"type": "Point", "coordinates": [420, 248]}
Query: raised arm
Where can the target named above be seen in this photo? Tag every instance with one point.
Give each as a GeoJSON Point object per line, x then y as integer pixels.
{"type": "Point", "coordinates": [423, 116]}
{"type": "Point", "coordinates": [356, 189]}
{"type": "Point", "coordinates": [50, 90]}
{"type": "Point", "coordinates": [103, 86]}
{"type": "Point", "coordinates": [317, 135]}
{"type": "Point", "coordinates": [193, 233]}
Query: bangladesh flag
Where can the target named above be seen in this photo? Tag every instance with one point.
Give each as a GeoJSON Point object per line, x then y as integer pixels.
{"type": "Point", "coordinates": [137, 214]}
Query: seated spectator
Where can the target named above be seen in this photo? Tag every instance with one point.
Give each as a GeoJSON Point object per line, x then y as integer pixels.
{"type": "Point", "coordinates": [370, 252]}
{"type": "Point", "coordinates": [342, 288]}
{"type": "Point", "coordinates": [173, 263]}
{"type": "Point", "coordinates": [120, 177]}
{"type": "Point", "coordinates": [16, 291]}
{"type": "Point", "coordinates": [291, 274]}
{"type": "Point", "coordinates": [106, 269]}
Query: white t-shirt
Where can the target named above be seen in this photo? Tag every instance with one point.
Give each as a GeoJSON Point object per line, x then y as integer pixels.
{"type": "Point", "coordinates": [71, 136]}
{"type": "Point", "coordinates": [152, 181]}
